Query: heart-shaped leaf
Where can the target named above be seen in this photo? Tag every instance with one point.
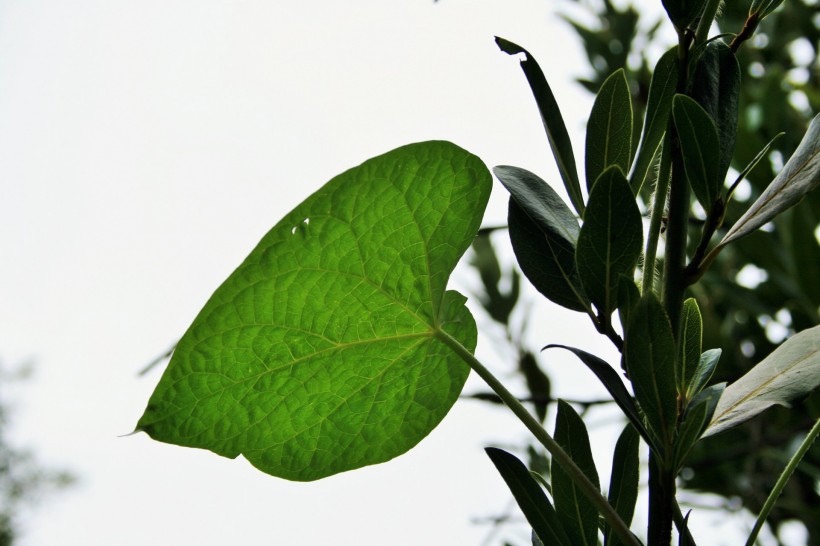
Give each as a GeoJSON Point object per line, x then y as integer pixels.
{"type": "Point", "coordinates": [790, 371]}
{"type": "Point", "coordinates": [321, 353]}
{"type": "Point", "coordinates": [609, 130]}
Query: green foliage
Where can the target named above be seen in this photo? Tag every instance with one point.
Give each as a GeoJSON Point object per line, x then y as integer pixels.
{"type": "Point", "coordinates": [321, 352]}
{"type": "Point", "coordinates": [609, 131]}
{"type": "Point", "coordinates": [700, 149]}
{"type": "Point", "coordinates": [624, 479]}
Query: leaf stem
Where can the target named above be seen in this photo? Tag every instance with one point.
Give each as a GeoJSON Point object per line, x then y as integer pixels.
{"type": "Point", "coordinates": [781, 482]}
{"type": "Point", "coordinates": [562, 457]}
{"type": "Point", "coordinates": [656, 218]}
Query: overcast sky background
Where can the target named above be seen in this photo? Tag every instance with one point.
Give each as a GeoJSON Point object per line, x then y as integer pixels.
{"type": "Point", "coordinates": [145, 147]}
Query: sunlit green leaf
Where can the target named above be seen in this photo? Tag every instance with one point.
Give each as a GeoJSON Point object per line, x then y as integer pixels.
{"type": "Point", "coordinates": [650, 351]}
{"type": "Point", "coordinates": [700, 148]}
{"type": "Point", "coordinates": [791, 371]}
{"type": "Point", "coordinates": [543, 232]}
{"type": "Point", "coordinates": [609, 244]}
{"type": "Point", "coordinates": [691, 336]}
{"type": "Point", "coordinates": [530, 498]}
{"type": "Point", "coordinates": [321, 352]}
{"type": "Point", "coordinates": [623, 483]}
{"type": "Point", "coordinates": [609, 130]}
{"type": "Point", "coordinates": [658, 109]}
{"type": "Point", "coordinates": [557, 134]}
{"type": "Point", "coordinates": [577, 514]}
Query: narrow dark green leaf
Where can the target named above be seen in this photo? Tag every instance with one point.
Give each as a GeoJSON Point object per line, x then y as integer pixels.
{"type": "Point", "coordinates": [703, 372]}
{"type": "Point", "coordinates": [683, 13]}
{"type": "Point", "coordinates": [577, 514]}
{"type": "Point", "coordinates": [321, 353]}
{"type": "Point", "coordinates": [685, 536]}
{"type": "Point", "coordinates": [624, 479]}
{"type": "Point", "coordinates": [700, 148]}
{"type": "Point", "coordinates": [662, 89]}
{"type": "Point", "coordinates": [690, 344]}
{"type": "Point", "coordinates": [764, 152]}
{"type": "Point", "coordinates": [609, 244]}
{"type": "Point", "coordinates": [553, 122]}
{"type": "Point", "coordinates": [543, 232]}
{"type": "Point", "coordinates": [716, 87]}
{"type": "Point", "coordinates": [611, 380]}
{"type": "Point", "coordinates": [649, 350]}
{"type": "Point", "coordinates": [530, 498]}
{"type": "Point", "coordinates": [790, 371]}
{"type": "Point", "coordinates": [628, 297]}
{"type": "Point", "coordinates": [609, 130]}
{"type": "Point", "coordinates": [799, 176]}
{"type": "Point", "coordinates": [697, 415]}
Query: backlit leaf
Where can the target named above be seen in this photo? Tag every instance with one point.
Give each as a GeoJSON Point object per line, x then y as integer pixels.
{"type": "Point", "coordinates": [690, 343]}
{"type": "Point", "coordinates": [790, 371]}
{"type": "Point", "coordinates": [703, 372]}
{"type": "Point", "coordinates": [321, 352]}
{"type": "Point", "coordinates": [609, 130]}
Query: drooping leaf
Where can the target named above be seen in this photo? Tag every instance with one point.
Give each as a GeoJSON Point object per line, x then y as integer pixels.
{"type": "Point", "coordinates": [609, 130]}
{"type": "Point", "coordinates": [649, 350]}
{"type": "Point", "coordinates": [610, 379]}
{"type": "Point", "coordinates": [578, 516]}
{"type": "Point", "coordinates": [609, 244]}
{"type": "Point", "coordinates": [690, 343]}
{"type": "Point", "coordinates": [623, 482]}
{"type": "Point", "coordinates": [530, 498]}
{"type": "Point", "coordinates": [662, 89]}
{"type": "Point", "coordinates": [716, 87]}
{"type": "Point", "coordinates": [557, 134]}
{"type": "Point", "coordinates": [321, 353]}
{"type": "Point", "coordinates": [703, 372]}
{"type": "Point", "coordinates": [790, 371]}
{"type": "Point", "coordinates": [700, 148]}
{"type": "Point", "coordinates": [543, 232]}
{"type": "Point", "coordinates": [799, 176]}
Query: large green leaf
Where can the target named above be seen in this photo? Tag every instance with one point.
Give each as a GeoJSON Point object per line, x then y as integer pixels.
{"type": "Point", "coordinates": [649, 350]}
{"type": "Point", "coordinates": [543, 232]}
{"type": "Point", "coordinates": [530, 498]}
{"type": "Point", "coordinates": [700, 147]}
{"type": "Point", "coordinates": [321, 352]}
{"type": "Point", "coordinates": [609, 130]}
{"type": "Point", "coordinates": [557, 134]}
{"type": "Point", "coordinates": [658, 109]}
{"type": "Point", "coordinates": [577, 513]}
{"type": "Point", "coordinates": [609, 244]}
{"type": "Point", "coordinates": [790, 371]}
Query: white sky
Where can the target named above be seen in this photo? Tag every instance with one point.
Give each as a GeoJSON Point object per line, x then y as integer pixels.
{"type": "Point", "coordinates": [146, 146]}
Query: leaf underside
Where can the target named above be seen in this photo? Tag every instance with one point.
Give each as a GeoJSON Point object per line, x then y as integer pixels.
{"type": "Point", "coordinates": [319, 353]}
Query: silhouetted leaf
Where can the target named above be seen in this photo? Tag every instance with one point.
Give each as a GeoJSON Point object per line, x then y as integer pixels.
{"type": "Point", "coordinates": [683, 13]}
{"type": "Point", "coordinates": [700, 148]}
{"type": "Point", "coordinates": [609, 244]}
{"type": "Point", "coordinates": [322, 352]}
{"type": "Point", "coordinates": [609, 129]}
{"type": "Point", "coordinates": [623, 482]}
{"type": "Point", "coordinates": [791, 371]}
{"type": "Point", "coordinates": [658, 109]}
{"type": "Point", "coordinates": [530, 498]}
{"type": "Point", "coordinates": [553, 122]}
{"type": "Point", "coordinates": [578, 515]}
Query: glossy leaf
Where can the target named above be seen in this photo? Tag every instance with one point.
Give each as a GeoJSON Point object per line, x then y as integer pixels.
{"type": "Point", "coordinates": [609, 130]}
{"type": "Point", "coordinates": [623, 482]}
{"type": "Point", "coordinates": [610, 379]}
{"type": "Point", "coordinates": [700, 148]}
{"type": "Point", "coordinates": [649, 350]}
{"type": "Point", "coordinates": [662, 89]}
{"type": "Point", "coordinates": [716, 88]}
{"type": "Point", "coordinates": [609, 244]}
{"type": "Point", "coordinates": [703, 372]}
{"type": "Point", "coordinates": [799, 176]}
{"type": "Point", "coordinates": [790, 371]}
{"type": "Point", "coordinates": [530, 498]}
{"type": "Point", "coordinates": [690, 343]}
{"type": "Point", "coordinates": [557, 134]}
{"type": "Point", "coordinates": [578, 516]}
{"type": "Point", "coordinates": [543, 232]}
{"type": "Point", "coordinates": [320, 353]}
